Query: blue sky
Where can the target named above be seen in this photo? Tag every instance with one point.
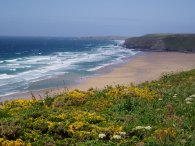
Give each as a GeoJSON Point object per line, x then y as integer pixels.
{"type": "Point", "coordinates": [95, 17]}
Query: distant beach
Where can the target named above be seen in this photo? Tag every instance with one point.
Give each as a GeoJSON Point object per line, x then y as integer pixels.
{"type": "Point", "coordinates": [31, 64]}
{"type": "Point", "coordinates": [143, 67]}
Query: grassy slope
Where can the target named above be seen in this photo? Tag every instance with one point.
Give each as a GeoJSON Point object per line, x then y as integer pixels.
{"type": "Point", "coordinates": [163, 42]}
{"type": "Point", "coordinates": [156, 113]}
{"type": "Point", "coordinates": [180, 43]}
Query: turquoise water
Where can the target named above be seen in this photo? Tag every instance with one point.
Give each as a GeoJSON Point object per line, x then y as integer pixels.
{"type": "Point", "coordinates": [28, 64]}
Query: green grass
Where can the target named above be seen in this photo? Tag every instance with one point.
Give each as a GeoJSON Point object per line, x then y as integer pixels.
{"type": "Point", "coordinates": [160, 112]}
{"type": "Point", "coordinates": [180, 43]}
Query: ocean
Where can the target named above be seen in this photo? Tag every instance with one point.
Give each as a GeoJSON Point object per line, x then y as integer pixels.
{"type": "Point", "coordinates": [34, 63]}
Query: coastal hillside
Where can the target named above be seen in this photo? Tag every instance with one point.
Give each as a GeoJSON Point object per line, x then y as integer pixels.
{"type": "Point", "coordinates": [162, 42]}
{"type": "Point", "coordinates": [157, 113]}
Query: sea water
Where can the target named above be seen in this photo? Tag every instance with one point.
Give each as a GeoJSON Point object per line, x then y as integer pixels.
{"type": "Point", "coordinates": [29, 63]}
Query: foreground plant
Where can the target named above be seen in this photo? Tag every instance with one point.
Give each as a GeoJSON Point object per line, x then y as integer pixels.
{"type": "Point", "coordinates": [156, 113]}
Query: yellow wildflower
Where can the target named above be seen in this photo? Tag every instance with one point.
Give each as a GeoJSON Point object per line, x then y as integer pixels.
{"type": "Point", "coordinates": [20, 103]}
{"type": "Point", "coordinates": [75, 126]}
{"type": "Point", "coordinates": [62, 116]}
{"type": "Point", "coordinates": [50, 124]}
{"type": "Point", "coordinates": [142, 93]}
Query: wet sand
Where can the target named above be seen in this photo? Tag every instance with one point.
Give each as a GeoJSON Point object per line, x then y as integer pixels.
{"type": "Point", "coordinates": [144, 67]}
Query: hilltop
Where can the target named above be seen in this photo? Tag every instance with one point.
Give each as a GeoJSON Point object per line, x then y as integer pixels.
{"type": "Point", "coordinates": [162, 42]}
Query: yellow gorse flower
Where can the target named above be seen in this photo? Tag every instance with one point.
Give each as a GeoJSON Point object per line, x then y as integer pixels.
{"type": "Point", "coordinates": [76, 94]}
{"type": "Point", "coordinates": [20, 103]}
{"type": "Point", "coordinates": [50, 124]}
{"type": "Point", "coordinates": [17, 142]}
{"type": "Point", "coordinates": [62, 116]}
{"type": "Point", "coordinates": [82, 116]}
{"type": "Point", "coordinates": [72, 128]}
{"type": "Point", "coordinates": [142, 92]}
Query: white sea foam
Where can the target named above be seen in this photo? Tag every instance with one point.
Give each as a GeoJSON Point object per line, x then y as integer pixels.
{"type": "Point", "coordinates": [41, 67]}
{"type": "Point", "coordinates": [96, 68]}
{"type": "Point", "coordinates": [12, 69]}
{"type": "Point", "coordinates": [99, 67]}
{"type": "Point", "coordinates": [13, 64]}
{"type": "Point", "coordinates": [11, 60]}
{"type": "Point", "coordinates": [5, 76]}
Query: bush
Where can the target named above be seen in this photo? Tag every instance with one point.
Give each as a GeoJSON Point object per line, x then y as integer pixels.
{"type": "Point", "coordinates": [153, 113]}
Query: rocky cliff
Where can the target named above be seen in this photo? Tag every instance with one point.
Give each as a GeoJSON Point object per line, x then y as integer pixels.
{"type": "Point", "coordinates": [162, 42]}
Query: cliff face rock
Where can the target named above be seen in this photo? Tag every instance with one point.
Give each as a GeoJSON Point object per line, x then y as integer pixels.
{"type": "Point", "coordinates": [162, 42]}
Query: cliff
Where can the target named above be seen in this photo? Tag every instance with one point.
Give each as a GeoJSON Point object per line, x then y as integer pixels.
{"type": "Point", "coordinates": [162, 42]}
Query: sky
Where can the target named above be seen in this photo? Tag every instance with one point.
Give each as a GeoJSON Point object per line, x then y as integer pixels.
{"type": "Point", "coordinates": [75, 18]}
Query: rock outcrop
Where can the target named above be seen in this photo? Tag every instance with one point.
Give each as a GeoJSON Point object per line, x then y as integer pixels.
{"type": "Point", "coordinates": [162, 42]}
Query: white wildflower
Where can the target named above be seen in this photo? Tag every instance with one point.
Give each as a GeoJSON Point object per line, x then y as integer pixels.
{"type": "Point", "coordinates": [139, 127]}
{"type": "Point", "coordinates": [174, 96]}
{"type": "Point", "coordinates": [117, 137]}
{"type": "Point", "coordinates": [160, 99]}
{"type": "Point", "coordinates": [142, 127]}
{"type": "Point", "coordinates": [148, 127]}
{"type": "Point", "coordinates": [101, 135]}
{"type": "Point", "coordinates": [192, 96]}
{"type": "Point", "coordinates": [188, 102]}
{"type": "Point", "coordinates": [189, 99]}
{"type": "Point", "coordinates": [122, 133]}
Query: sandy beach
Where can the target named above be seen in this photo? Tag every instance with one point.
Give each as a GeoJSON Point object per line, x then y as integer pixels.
{"type": "Point", "coordinates": [144, 67]}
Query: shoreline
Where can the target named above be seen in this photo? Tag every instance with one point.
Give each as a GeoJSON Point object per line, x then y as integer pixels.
{"type": "Point", "coordinates": [142, 67]}
{"type": "Point", "coordinates": [147, 67]}
{"type": "Point", "coordinates": [42, 93]}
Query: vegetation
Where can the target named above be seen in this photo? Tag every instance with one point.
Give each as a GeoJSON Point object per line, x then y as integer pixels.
{"type": "Point", "coordinates": [153, 113]}
{"type": "Point", "coordinates": [163, 42]}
